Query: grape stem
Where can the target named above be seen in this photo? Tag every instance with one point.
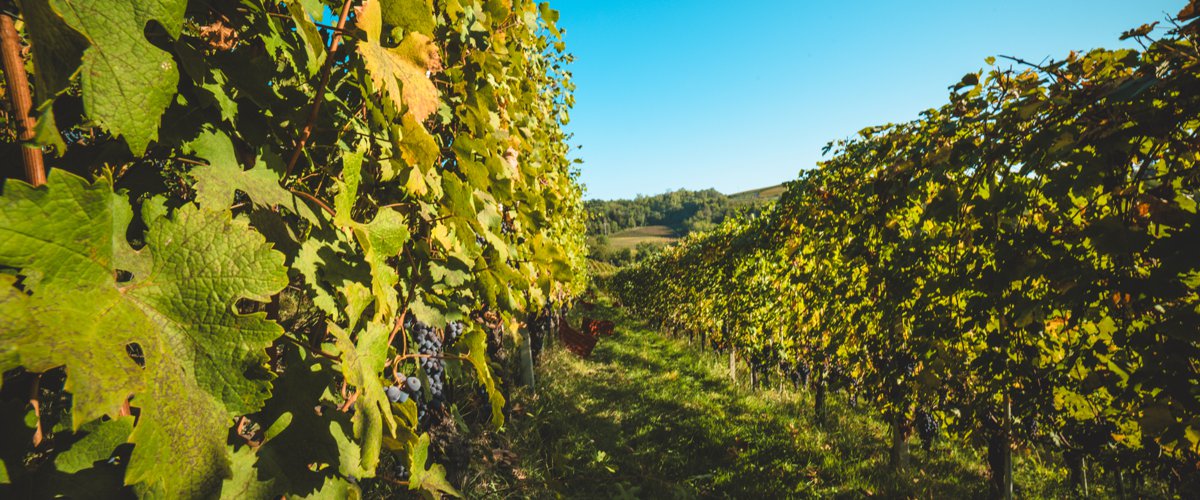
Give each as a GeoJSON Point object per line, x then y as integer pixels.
{"type": "Point", "coordinates": [412, 290]}
{"type": "Point", "coordinates": [349, 401]}
{"type": "Point", "coordinates": [434, 356]}
{"type": "Point", "coordinates": [35, 387]}
{"type": "Point", "coordinates": [324, 206]}
{"type": "Point", "coordinates": [319, 97]}
{"type": "Point", "coordinates": [312, 350]}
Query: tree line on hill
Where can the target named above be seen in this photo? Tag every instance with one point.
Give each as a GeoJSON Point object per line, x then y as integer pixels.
{"type": "Point", "coordinates": [682, 211]}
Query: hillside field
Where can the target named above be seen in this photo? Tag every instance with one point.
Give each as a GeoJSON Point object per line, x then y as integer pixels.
{"type": "Point", "coordinates": [630, 238]}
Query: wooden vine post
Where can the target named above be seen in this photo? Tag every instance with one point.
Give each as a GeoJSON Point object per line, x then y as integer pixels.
{"type": "Point", "coordinates": [17, 82]}
{"type": "Point", "coordinates": [733, 364]}
{"type": "Point", "coordinates": [525, 351]}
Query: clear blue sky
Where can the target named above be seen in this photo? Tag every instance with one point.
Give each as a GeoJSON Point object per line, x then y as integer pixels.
{"type": "Point", "coordinates": [741, 95]}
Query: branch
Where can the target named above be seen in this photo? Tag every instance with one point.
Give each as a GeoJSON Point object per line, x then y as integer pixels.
{"type": "Point", "coordinates": [434, 356]}
{"type": "Point", "coordinates": [349, 401]}
{"type": "Point", "coordinates": [314, 199]}
{"type": "Point", "coordinates": [1044, 69]}
{"type": "Point", "coordinates": [326, 71]}
{"type": "Point", "coordinates": [319, 25]}
{"type": "Point", "coordinates": [18, 91]}
{"type": "Point", "coordinates": [314, 351]}
{"type": "Point", "coordinates": [34, 390]}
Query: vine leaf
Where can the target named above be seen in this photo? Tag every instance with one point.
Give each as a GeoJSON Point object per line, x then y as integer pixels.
{"type": "Point", "coordinates": [476, 342]}
{"type": "Point", "coordinates": [301, 429]}
{"type": "Point", "coordinates": [410, 15]}
{"type": "Point", "coordinates": [217, 182]}
{"type": "Point", "coordinates": [57, 52]}
{"type": "Point", "coordinates": [196, 362]}
{"type": "Point", "coordinates": [327, 268]}
{"type": "Point", "coordinates": [417, 147]}
{"type": "Point", "coordinates": [84, 468]}
{"type": "Point", "coordinates": [400, 72]}
{"type": "Point", "coordinates": [429, 478]}
{"type": "Point", "coordinates": [380, 239]}
{"type": "Point", "coordinates": [127, 81]}
{"type": "Point", "coordinates": [362, 362]}
{"type": "Point", "coordinates": [98, 444]}
{"type": "Point", "coordinates": [314, 46]}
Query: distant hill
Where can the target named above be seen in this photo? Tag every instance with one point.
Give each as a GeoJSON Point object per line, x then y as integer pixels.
{"type": "Point", "coordinates": [768, 193]}
{"type": "Point", "coordinates": [622, 231]}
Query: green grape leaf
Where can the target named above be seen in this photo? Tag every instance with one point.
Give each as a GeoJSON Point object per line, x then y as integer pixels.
{"type": "Point", "coordinates": [314, 46]}
{"type": "Point", "coordinates": [56, 51]}
{"type": "Point", "coordinates": [425, 312]}
{"type": "Point", "coordinates": [127, 81]}
{"type": "Point", "coordinates": [255, 475]}
{"type": "Point", "coordinates": [87, 466]}
{"type": "Point", "coordinates": [425, 477]}
{"type": "Point", "coordinates": [178, 310]}
{"type": "Point", "coordinates": [400, 72]}
{"type": "Point", "coordinates": [347, 195]}
{"type": "Point", "coordinates": [1156, 419]}
{"type": "Point", "coordinates": [217, 182]}
{"type": "Point", "coordinates": [334, 487]}
{"type": "Point", "coordinates": [101, 439]}
{"type": "Point", "coordinates": [476, 342]}
{"type": "Point", "coordinates": [410, 15]}
{"type": "Point", "coordinates": [358, 297]}
{"type": "Point", "coordinates": [56, 48]}
{"type": "Point", "coordinates": [380, 239]}
{"type": "Point", "coordinates": [362, 364]}
{"type": "Point", "coordinates": [300, 424]}
{"type": "Point", "coordinates": [327, 268]}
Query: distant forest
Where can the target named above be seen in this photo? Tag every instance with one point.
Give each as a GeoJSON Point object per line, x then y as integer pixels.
{"type": "Point", "coordinates": [682, 211]}
{"type": "Point", "coordinates": [621, 232]}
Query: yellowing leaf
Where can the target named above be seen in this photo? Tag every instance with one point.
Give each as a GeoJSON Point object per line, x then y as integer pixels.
{"type": "Point", "coordinates": [401, 73]}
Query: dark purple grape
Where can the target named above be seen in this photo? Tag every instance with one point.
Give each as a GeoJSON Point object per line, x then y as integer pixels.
{"type": "Point", "coordinates": [927, 426]}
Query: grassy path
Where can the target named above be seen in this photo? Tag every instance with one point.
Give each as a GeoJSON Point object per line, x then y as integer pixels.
{"type": "Point", "coordinates": [653, 417]}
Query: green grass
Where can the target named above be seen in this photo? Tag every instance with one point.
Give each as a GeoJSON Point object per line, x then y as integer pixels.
{"type": "Point", "coordinates": [630, 238]}
{"type": "Point", "coordinates": [653, 417]}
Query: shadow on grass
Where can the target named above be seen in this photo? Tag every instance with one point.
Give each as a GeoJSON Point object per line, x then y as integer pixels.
{"type": "Point", "coordinates": [652, 417]}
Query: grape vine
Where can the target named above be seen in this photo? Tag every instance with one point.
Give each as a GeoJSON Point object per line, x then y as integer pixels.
{"type": "Point", "coordinates": [1014, 268]}
{"type": "Point", "coordinates": [269, 235]}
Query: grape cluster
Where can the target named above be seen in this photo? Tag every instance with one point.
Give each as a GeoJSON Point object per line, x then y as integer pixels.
{"type": "Point", "coordinates": [540, 325]}
{"type": "Point", "coordinates": [798, 373]}
{"type": "Point", "coordinates": [1031, 426]}
{"type": "Point", "coordinates": [454, 330]}
{"type": "Point", "coordinates": [409, 388]}
{"type": "Point", "coordinates": [395, 394]}
{"type": "Point", "coordinates": [429, 345]}
{"type": "Point", "coordinates": [927, 426]}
